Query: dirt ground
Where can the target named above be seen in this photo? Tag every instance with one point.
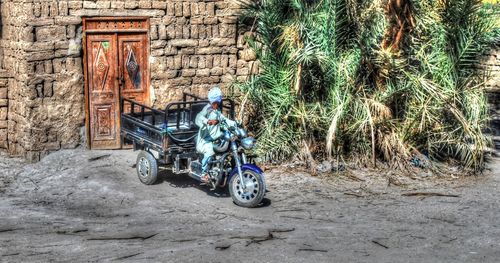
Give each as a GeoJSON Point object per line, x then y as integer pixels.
{"type": "Point", "coordinates": [89, 206]}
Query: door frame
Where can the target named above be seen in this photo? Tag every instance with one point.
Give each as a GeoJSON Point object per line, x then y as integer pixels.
{"type": "Point", "coordinates": [107, 24]}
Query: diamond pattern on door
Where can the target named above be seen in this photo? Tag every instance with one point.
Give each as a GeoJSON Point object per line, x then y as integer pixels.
{"type": "Point", "coordinates": [101, 66]}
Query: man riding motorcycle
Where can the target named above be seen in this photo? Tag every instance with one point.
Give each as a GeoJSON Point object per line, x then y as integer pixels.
{"type": "Point", "coordinates": [207, 120]}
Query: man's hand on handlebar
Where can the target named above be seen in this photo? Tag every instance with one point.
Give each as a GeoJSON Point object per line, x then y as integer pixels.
{"type": "Point", "coordinates": [212, 122]}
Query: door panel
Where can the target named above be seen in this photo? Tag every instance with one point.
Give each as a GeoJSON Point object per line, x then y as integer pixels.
{"type": "Point", "coordinates": [133, 67]}
{"type": "Point", "coordinates": [103, 91]}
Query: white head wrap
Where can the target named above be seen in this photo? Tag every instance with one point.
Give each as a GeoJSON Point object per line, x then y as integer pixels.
{"type": "Point", "coordinates": [215, 95]}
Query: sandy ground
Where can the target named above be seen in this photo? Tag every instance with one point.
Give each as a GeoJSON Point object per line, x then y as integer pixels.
{"type": "Point", "coordinates": [89, 206]}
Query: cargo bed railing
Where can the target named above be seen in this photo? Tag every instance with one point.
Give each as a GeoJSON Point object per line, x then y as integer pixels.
{"type": "Point", "coordinates": [142, 111]}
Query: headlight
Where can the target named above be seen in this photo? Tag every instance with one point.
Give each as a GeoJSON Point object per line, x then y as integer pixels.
{"type": "Point", "coordinates": [248, 143]}
{"type": "Point", "coordinates": [241, 133]}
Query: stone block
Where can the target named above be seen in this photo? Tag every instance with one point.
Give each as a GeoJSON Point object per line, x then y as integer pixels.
{"type": "Point", "coordinates": [41, 22]}
{"type": "Point", "coordinates": [194, 31]}
{"type": "Point", "coordinates": [196, 20]}
{"type": "Point", "coordinates": [186, 32]}
{"type": "Point", "coordinates": [145, 4]}
{"type": "Point", "coordinates": [159, 4]}
{"type": "Point", "coordinates": [202, 8]}
{"type": "Point", "coordinates": [183, 42]}
{"type": "Point", "coordinates": [168, 74]}
{"type": "Point", "coordinates": [206, 80]}
{"type": "Point", "coordinates": [194, 9]}
{"type": "Point", "coordinates": [188, 72]}
{"type": "Point", "coordinates": [63, 8]}
{"type": "Point", "coordinates": [131, 4]}
{"type": "Point", "coordinates": [3, 93]}
{"type": "Point", "coordinates": [170, 8]}
{"type": "Point", "coordinates": [50, 33]}
{"type": "Point", "coordinates": [68, 20]}
{"type": "Point", "coordinates": [170, 31]}
{"type": "Point", "coordinates": [180, 81]}
{"type": "Point", "coordinates": [203, 72]}
{"type": "Point", "coordinates": [208, 50]}
{"type": "Point", "coordinates": [3, 113]}
{"type": "Point", "coordinates": [210, 7]}
{"type": "Point", "coordinates": [89, 4]}
{"type": "Point", "coordinates": [187, 51]}
{"type": "Point", "coordinates": [186, 9]}
{"type": "Point", "coordinates": [222, 41]}
{"type": "Point", "coordinates": [178, 31]}
{"type": "Point", "coordinates": [153, 32]}
{"type": "Point", "coordinates": [117, 5]}
{"type": "Point", "coordinates": [103, 4]}
{"type": "Point", "coordinates": [216, 71]}
{"type": "Point", "coordinates": [162, 32]}
{"type": "Point", "coordinates": [210, 20]}
{"type": "Point", "coordinates": [75, 4]}
{"type": "Point", "coordinates": [178, 9]}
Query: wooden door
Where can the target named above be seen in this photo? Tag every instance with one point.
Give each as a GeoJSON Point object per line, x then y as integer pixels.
{"type": "Point", "coordinates": [103, 94]}
{"type": "Point", "coordinates": [116, 64]}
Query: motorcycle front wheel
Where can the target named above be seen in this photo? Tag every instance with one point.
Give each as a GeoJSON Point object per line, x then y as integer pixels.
{"type": "Point", "coordinates": [252, 194]}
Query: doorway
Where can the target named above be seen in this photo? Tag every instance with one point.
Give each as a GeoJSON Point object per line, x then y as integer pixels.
{"type": "Point", "coordinates": [116, 64]}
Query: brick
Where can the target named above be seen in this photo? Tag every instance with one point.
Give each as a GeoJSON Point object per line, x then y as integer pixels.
{"type": "Point", "coordinates": [194, 31]}
{"type": "Point", "coordinates": [222, 41]}
{"type": "Point", "coordinates": [216, 71]}
{"type": "Point", "coordinates": [131, 4]}
{"type": "Point", "coordinates": [194, 9]}
{"type": "Point", "coordinates": [206, 80]}
{"type": "Point", "coordinates": [186, 9]}
{"type": "Point", "coordinates": [63, 8]}
{"type": "Point", "coordinates": [210, 20]}
{"type": "Point", "coordinates": [178, 31]}
{"type": "Point", "coordinates": [180, 81]}
{"type": "Point", "coordinates": [3, 124]}
{"type": "Point", "coordinates": [75, 4]}
{"type": "Point", "coordinates": [203, 72]}
{"type": "Point", "coordinates": [159, 4]}
{"type": "Point", "coordinates": [162, 32]}
{"type": "Point", "coordinates": [103, 4]}
{"type": "Point", "coordinates": [3, 102]}
{"type": "Point", "coordinates": [153, 32]}
{"type": "Point", "coordinates": [201, 8]}
{"type": "Point", "coordinates": [178, 9]}
{"type": "Point", "coordinates": [3, 93]}
{"type": "Point", "coordinates": [183, 42]}
{"type": "Point", "coordinates": [186, 32]}
{"type": "Point", "coordinates": [210, 9]}
{"type": "Point", "coordinates": [145, 4]}
{"type": "Point", "coordinates": [170, 8]}
{"type": "Point", "coordinates": [3, 113]}
{"type": "Point", "coordinates": [50, 33]}
{"type": "Point", "coordinates": [169, 74]}
{"type": "Point", "coordinates": [43, 55]}
{"type": "Point", "coordinates": [68, 20]}
{"type": "Point", "coordinates": [117, 5]}
{"type": "Point", "coordinates": [170, 31]}
{"type": "Point", "coordinates": [188, 72]}
{"type": "Point", "coordinates": [209, 50]}
{"type": "Point", "coordinates": [89, 4]}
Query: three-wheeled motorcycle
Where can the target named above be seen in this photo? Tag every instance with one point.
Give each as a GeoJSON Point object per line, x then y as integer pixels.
{"type": "Point", "coordinates": [167, 139]}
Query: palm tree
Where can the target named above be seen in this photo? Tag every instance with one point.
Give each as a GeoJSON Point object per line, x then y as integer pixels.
{"type": "Point", "coordinates": [371, 80]}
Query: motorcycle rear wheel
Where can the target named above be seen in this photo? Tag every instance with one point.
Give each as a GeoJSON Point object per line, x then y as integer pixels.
{"type": "Point", "coordinates": [255, 189]}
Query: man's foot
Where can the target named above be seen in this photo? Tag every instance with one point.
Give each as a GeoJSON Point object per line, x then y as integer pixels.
{"type": "Point", "coordinates": [204, 179]}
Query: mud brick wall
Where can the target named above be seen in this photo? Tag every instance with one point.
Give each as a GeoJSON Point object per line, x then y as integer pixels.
{"type": "Point", "coordinates": [194, 44]}
{"type": "Point", "coordinates": [492, 64]}
{"type": "Point", "coordinates": [4, 80]}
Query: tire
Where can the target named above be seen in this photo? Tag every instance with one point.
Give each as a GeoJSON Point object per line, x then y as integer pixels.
{"type": "Point", "coordinates": [147, 168]}
{"type": "Point", "coordinates": [255, 192]}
